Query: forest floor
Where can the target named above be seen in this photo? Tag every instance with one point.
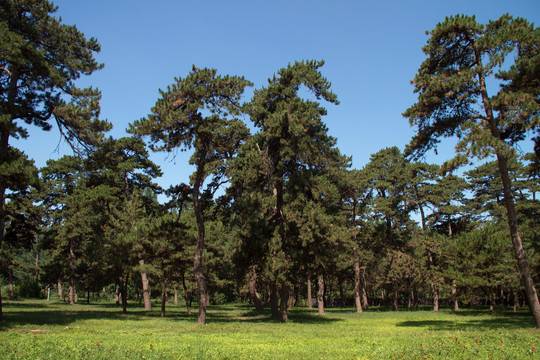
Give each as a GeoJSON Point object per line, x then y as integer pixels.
{"type": "Point", "coordinates": [37, 329]}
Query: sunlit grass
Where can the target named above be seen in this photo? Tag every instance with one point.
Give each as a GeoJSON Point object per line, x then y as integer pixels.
{"type": "Point", "coordinates": [41, 330]}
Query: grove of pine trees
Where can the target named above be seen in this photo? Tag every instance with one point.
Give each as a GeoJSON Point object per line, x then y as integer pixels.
{"type": "Point", "coordinates": [276, 215]}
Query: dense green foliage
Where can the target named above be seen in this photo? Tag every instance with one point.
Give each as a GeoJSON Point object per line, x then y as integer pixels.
{"type": "Point", "coordinates": [266, 213]}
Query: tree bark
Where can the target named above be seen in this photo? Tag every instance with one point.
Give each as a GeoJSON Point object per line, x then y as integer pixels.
{"type": "Point", "coordinates": [59, 286]}
{"type": "Point", "coordinates": [284, 301]}
{"type": "Point", "coordinates": [71, 297]}
{"type": "Point", "coordinates": [363, 289]}
{"type": "Point", "coordinates": [309, 299]}
{"type": "Point", "coordinates": [186, 295]}
{"type": "Point", "coordinates": [454, 296]}
{"type": "Point", "coordinates": [320, 293]}
{"type": "Point", "coordinates": [357, 286]}
{"type": "Point", "coordinates": [145, 286]}
{"type": "Point", "coordinates": [519, 253]}
{"type": "Point", "coordinates": [163, 297]}
{"type": "Point", "coordinates": [395, 298]}
{"type": "Point", "coordinates": [255, 298]}
{"type": "Point", "coordinates": [274, 306]}
{"type": "Point", "coordinates": [435, 292]}
{"type": "Point", "coordinates": [291, 297]}
{"type": "Point", "coordinates": [175, 297]}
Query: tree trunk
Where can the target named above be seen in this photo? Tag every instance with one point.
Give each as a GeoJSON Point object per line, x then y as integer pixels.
{"type": "Point", "coordinates": [198, 258]}
{"type": "Point", "coordinates": [516, 302]}
{"type": "Point", "coordinates": [255, 298]}
{"type": "Point", "coordinates": [71, 297]}
{"type": "Point", "coordinates": [59, 287]}
{"type": "Point", "coordinates": [519, 253]}
{"type": "Point", "coordinates": [454, 296]}
{"type": "Point", "coordinates": [117, 293]}
{"type": "Point", "coordinates": [320, 293]}
{"type": "Point", "coordinates": [175, 297]}
{"type": "Point", "coordinates": [186, 295]}
{"type": "Point", "coordinates": [357, 286]}
{"type": "Point", "coordinates": [163, 297]}
{"type": "Point", "coordinates": [11, 283]}
{"type": "Point", "coordinates": [145, 286]}
{"type": "Point", "coordinates": [363, 288]}
{"type": "Point", "coordinates": [435, 298]}
{"type": "Point", "coordinates": [274, 306]}
{"type": "Point", "coordinates": [395, 299]}
{"type": "Point", "coordinates": [123, 292]}
{"type": "Point", "coordinates": [309, 299]}
{"type": "Point", "coordinates": [284, 295]}
{"type": "Point", "coordinates": [291, 297]}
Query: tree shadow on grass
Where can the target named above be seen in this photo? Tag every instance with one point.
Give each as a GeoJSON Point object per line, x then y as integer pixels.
{"type": "Point", "coordinates": [246, 314]}
{"type": "Point", "coordinates": [466, 322]}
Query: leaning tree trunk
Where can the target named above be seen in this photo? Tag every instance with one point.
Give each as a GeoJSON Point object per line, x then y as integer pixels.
{"type": "Point", "coordinates": [145, 287]}
{"type": "Point", "coordinates": [255, 298]}
{"type": "Point", "coordinates": [186, 295]}
{"type": "Point", "coordinates": [320, 293]}
{"type": "Point", "coordinates": [519, 253]}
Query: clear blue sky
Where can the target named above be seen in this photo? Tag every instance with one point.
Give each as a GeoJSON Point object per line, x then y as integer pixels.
{"type": "Point", "coordinates": [372, 50]}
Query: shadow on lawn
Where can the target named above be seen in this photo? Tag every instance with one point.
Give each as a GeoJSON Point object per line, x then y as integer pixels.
{"type": "Point", "coordinates": [59, 314]}
{"type": "Point", "coordinates": [464, 321]}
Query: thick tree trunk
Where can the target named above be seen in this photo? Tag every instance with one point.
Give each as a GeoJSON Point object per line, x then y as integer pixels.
{"type": "Point", "coordinates": [274, 303]}
{"type": "Point", "coordinates": [435, 292]}
{"type": "Point", "coordinates": [519, 253]}
{"type": "Point", "coordinates": [284, 301]}
{"type": "Point", "coordinates": [363, 288]}
{"type": "Point", "coordinates": [320, 293]}
{"type": "Point", "coordinates": [357, 285]}
{"type": "Point", "coordinates": [309, 299]}
{"type": "Point", "coordinates": [145, 287]}
{"type": "Point", "coordinates": [255, 298]}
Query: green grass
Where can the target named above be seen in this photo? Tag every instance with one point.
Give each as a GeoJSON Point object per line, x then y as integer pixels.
{"type": "Point", "coordinates": [41, 330]}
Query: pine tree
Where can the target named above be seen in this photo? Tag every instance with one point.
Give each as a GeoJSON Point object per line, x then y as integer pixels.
{"type": "Point", "coordinates": [41, 59]}
{"type": "Point", "coordinates": [453, 100]}
{"type": "Point", "coordinates": [198, 111]}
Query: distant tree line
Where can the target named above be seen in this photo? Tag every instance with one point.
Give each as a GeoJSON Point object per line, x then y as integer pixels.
{"type": "Point", "coordinates": [277, 217]}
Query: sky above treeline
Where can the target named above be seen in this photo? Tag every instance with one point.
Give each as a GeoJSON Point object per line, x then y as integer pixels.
{"type": "Point", "coordinates": [371, 49]}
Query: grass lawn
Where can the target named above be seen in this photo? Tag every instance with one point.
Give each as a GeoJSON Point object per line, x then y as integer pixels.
{"type": "Point", "coordinates": [53, 330]}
